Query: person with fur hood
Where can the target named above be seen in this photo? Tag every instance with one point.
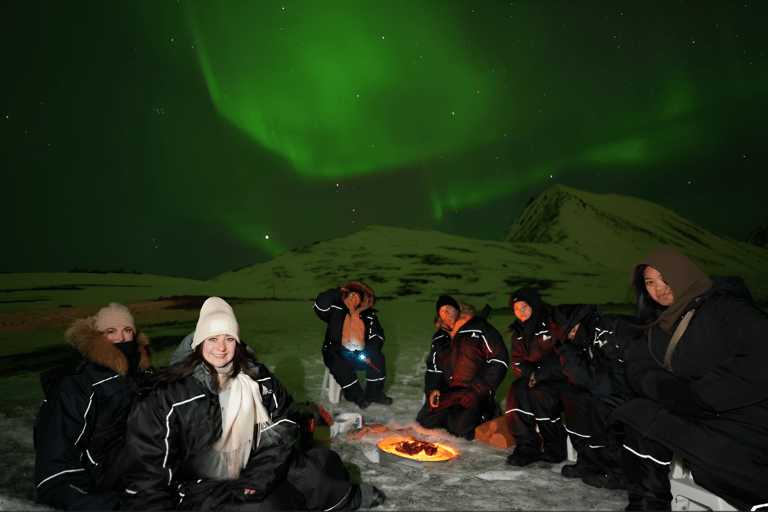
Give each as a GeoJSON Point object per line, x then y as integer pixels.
{"type": "Point", "coordinates": [466, 364]}
{"type": "Point", "coordinates": [702, 385]}
{"type": "Point", "coordinates": [217, 429]}
{"type": "Point", "coordinates": [80, 430]}
{"type": "Point", "coordinates": [353, 342]}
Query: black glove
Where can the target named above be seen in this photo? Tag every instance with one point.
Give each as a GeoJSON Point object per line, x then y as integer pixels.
{"type": "Point", "coordinates": [468, 398]}
{"type": "Point", "coordinates": [681, 395]}
{"type": "Point", "coordinates": [676, 390]}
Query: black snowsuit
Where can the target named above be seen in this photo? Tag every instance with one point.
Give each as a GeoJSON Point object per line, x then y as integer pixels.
{"type": "Point", "coordinates": [542, 404]}
{"type": "Point", "coordinates": [723, 432]}
{"type": "Point", "coordinates": [475, 361]}
{"type": "Point", "coordinates": [79, 433]}
{"type": "Point", "coordinates": [343, 363]}
{"type": "Point", "coordinates": [172, 430]}
{"type": "Point", "coordinates": [593, 362]}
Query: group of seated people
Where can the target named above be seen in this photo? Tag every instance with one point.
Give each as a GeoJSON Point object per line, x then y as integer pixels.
{"type": "Point", "coordinates": [217, 430]}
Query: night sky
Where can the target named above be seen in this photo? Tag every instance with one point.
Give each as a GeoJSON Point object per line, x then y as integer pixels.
{"type": "Point", "coordinates": [190, 138]}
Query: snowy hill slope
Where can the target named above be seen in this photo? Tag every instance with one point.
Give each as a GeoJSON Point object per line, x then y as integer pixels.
{"type": "Point", "coordinates": [422, 264]}
{"type": "Point", "coordinates": [759, 235]}
{"type": "Point", "coordinates": [610, 231]}
{"type": "Point", "coordinates": [573, 246]}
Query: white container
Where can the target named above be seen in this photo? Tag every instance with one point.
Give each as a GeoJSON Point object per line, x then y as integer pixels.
{"type": "Point", "coordinates": [344, 422]}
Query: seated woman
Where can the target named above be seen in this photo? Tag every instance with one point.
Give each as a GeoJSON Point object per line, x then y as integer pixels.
{"type": "Point", "coordinates": [702, 384]}
{"type": "Point", "coordinates": [217, 430]}
{"type": "Point", "coordinates": [353, 341]}
{"type": "Point", "coordinates": [79, 433]}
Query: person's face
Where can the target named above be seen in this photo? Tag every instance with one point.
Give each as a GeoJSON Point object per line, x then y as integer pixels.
{"type": "Point", "coordinates": [119, 334]}
{"type": "Point", "coordinates": [658, 289]}
{"type": "Point", "coordinates": [572, 334]}
{"type": "Point", "coordinates": [449, 315]}
{"type": "Point", "coordinates": [353, 300]}
{"type": "Point", "coordinates": [522, 310]}
{"type": "Point", "coordinates": [440, 324]}
{"type": "Point", "coordinates": [219, 350]}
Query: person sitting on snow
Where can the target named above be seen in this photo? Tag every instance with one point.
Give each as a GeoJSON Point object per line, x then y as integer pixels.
{"type": "Point", "coordinates": [466, 364]}
{"type": "Point", "coordinates": [593, 355]}
{"type": "Point", "coordinates": [353, 341]}
{"type": "Point", "coordinates": [535, 397]}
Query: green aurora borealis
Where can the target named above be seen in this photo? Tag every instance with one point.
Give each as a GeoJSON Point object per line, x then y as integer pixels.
{"type": "Point", "coordinates": [196, 137]}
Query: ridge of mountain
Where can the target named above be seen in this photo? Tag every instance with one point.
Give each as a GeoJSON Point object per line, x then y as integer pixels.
{"type": "Point", "coordinates": [758, 236]}
{"type": "Point", "coordinates": [610, 230]}
{"type": "Point", "coordinates": [573, 246]}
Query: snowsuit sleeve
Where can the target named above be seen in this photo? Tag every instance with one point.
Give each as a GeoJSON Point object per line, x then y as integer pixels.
{"type": "Point", "coordinates": [496, 356]}
{"type": "Point", "coordinates": [433, 377]}
{"type": "Point", "coordinates": [324, 303]}
{"type": "Point", "coordinates": [574, 364]}
{"type": "Point", "coordinates": [521, 367]}
{"type": "Point", "coordinates": [643, 372]}
{"type": "Point", "coordinates": [61, 439]}
{"type": "Point", "coordinates": [741, 379]}
{"type": "Point", "coordinates": [376, 335]}
{"type": "Point", "coordinates": [154, 434]}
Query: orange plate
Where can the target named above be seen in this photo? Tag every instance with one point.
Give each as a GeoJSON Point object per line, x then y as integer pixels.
{"type": "Point", "coordinates": [444, 452]}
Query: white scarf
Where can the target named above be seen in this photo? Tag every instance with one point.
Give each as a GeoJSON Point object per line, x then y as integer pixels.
{"type": "Point", "coordinates": [241, 409]}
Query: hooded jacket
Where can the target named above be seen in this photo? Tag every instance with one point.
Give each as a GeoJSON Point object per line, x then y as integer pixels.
{"type": "Point", "coordinates": [330, 308]}
{"type": "Point", "coordinates": [721, 359]}
{"type": "Point", "coordinates": [594, 358]}
{"type": "Point", "coordinates": [480, 363]}
{"type": "Point", "coordinates": [536, 342]}
{"type": "Point", "coordinates": [79, 433]}
{"type": "Point", "coordinates": [174, 426]}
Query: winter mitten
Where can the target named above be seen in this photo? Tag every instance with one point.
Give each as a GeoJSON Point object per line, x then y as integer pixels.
{"type": "Point", "coordinates": [468, 399]}
{"type": "Point", "coordinates": [676, 390]}
{"type": "Point", "coordinates": [447, 400]}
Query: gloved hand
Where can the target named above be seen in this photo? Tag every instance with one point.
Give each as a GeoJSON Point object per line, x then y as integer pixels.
{"type": "Point", "coordinates": [468, 398]}
{"type": "Point", "coordinates": [676, 390]}
{"type": "Point", "coordinates": [679, 392]}
{"type": "Point", "coordinates": [447, 399]}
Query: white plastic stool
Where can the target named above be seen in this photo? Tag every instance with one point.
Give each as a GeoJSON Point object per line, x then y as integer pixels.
{"type": "Point", "coordinates": [686, 495]}
{"type": "Point", "coordinates": [571, 451]}
{"type": "Point", "coordinates": [330, 387]}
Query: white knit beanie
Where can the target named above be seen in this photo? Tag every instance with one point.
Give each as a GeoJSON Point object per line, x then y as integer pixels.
{"type": "Point", "coordinates": [114, 315]}
{"type": "Point", "coordinates": [216, 317]}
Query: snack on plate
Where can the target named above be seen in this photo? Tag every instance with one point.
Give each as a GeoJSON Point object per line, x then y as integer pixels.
{"type": "Point", "coordinates": [414, 447]}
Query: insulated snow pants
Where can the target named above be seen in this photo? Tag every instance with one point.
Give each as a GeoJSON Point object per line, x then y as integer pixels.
{"type": "Point", "coordinates": [344, 365]}
{"type": "Point", "coordinates": [457, 420]}
{"type": "Point", "coordinates": [540, 405]}
{"type": "Point", "coordinates": [587, 421]}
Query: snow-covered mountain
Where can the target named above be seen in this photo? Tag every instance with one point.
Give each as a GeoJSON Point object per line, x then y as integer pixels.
{"type": "Point", "coordinates": [610, 231]}
{"type": "Point", "coordinates": [759, 236]}
{"type": "Point", "coordinates": [573, 246]}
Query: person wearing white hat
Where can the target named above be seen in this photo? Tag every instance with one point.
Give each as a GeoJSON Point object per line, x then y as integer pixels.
{"type": "Point", "coordinates": [79, 433]}
{"type": "Point", "coordinates": [217, 429]}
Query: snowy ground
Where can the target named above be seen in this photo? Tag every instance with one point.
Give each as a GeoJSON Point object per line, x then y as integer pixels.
{"type": "Point", "coordinates": [287, 337]}
{"type": "Point", "coordinates": [477, 479]}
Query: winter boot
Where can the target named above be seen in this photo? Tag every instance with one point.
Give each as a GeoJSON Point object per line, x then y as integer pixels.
{"type": "Point", "coordinates": [523, 457]}
{"type": "Point", "coordinates": [355, 394]}
{"type": "Point", "coordinates": [587, 459]}
{"type": "Point", "coordinates": [555, 438]}
{"type": "Point", "coordinates": [374, 393]}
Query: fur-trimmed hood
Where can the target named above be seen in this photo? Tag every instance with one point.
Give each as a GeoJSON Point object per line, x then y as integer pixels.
{"type": "Point", "coordinates": [94, 346]}
{"type": "Point", "coordinates": [368, 298]}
